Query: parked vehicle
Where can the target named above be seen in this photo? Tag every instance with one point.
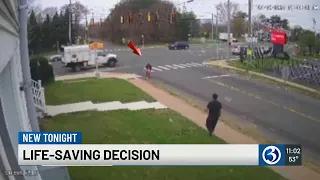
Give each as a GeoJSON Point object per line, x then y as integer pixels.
{"type": "Point", "coordinates": [179, 45]}
{"type": "Point", "coordinates": [235, 49]}
{"type": "Point", "coordinates": [79, 57]}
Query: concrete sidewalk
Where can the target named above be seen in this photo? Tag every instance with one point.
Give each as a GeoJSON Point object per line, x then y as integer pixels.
{"type": "Point", "coordinates": [92, 75]}
{"type": "Point", "coordinates": [106, 106]}
{"type": "Point", "coordinates": [224, 64]}
{"type": "Point", "coordinates": [223, 131]}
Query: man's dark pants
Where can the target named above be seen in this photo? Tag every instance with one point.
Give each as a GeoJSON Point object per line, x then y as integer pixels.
{"type": "Point", "coordinates": [211, 124]}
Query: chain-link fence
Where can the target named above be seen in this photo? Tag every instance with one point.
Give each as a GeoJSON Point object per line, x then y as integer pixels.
{"type": "Point", "coordinates": [306, 72]}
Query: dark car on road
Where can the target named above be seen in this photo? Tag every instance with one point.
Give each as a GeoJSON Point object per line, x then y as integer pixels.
{"type": "Point", "coordinates": [179, 45]}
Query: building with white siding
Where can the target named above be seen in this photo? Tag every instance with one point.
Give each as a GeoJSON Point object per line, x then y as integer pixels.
{"type": "Point", "coordinates": [13, 109]}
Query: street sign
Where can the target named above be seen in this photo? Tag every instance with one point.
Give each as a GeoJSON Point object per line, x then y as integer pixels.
{"type": "Point", "coordinates": [285, 73]}
{"type": "Point", "coordinates": [218, 43]}
{"type": "Point", "coordinates": [96, 46]}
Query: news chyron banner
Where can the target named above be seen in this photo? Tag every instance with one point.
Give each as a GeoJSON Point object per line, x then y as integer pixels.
{"type": "Point", "coordinates": [66, 149]}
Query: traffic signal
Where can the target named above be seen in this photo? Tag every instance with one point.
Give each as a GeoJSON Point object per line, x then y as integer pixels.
{"type": "Point", "coordinates": [149, 16]}
{"type": "Point", "coordinates": [121, 19]}
{"type": "Point", "coordinates": [101, 21]}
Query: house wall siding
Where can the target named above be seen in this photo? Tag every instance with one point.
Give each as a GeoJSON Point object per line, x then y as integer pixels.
{"type": "Point", "coordinates": [15, 116]}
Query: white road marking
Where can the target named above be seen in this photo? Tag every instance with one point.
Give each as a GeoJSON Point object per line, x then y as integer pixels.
{"type": "Point", "coordinates": [185, 65]}
{"type": "Point", "coordinates": [228, 99]}
{"type": "Point", "coordinates": [163, 67]}
{"type": "Point", "coordinates": [217, 76]}
{"type": "Point", "coordinates": [197, 64]}
{"type": "Point", "coordinates": [171, 67]}
{"type": "Point", "coordinates": [156, 69]}
{"type": "Point", "coordinates": [192, 64]}
{"type": "Point", "coordinates": [178, 66]}
{"type": "Point", "coordinates": [189, 65]}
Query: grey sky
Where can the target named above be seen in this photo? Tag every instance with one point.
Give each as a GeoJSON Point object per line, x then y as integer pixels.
{"type": "Point", "coordinates": [204, 8]}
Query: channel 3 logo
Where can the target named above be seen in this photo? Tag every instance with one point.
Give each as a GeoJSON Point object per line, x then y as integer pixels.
{"type": "Point", "coordinates": [271, 155]}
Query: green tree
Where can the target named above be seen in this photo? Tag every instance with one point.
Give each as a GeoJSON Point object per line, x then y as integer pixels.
{"type": "Point", "coordinates": [238, 23]}
{"type": "Point", "coordinates": [277, 21]}
{"type": "Point", "coordinates": [296, 32]}
{"type": "Point", "coordinates": [183, 26]}
{"type": "Point", "coordinates": [55, 29]}
{"type": "Point", "coordinates": [307, 40]}
{"type": "Point", "coordinates": [47, 33]}
{"type": "Point", "coordinates": [34, 32]}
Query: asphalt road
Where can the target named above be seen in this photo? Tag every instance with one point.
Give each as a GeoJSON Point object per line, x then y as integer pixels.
{"type": "Point", "coordinates": [155, 56]}
{"type": "Point", "coordinates": [278, 113]}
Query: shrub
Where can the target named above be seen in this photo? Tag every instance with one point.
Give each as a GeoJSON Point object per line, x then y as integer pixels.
{"type": "Point", "coordinates": [41, 69]}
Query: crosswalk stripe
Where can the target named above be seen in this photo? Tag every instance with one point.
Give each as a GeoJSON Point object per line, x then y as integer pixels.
{"type": "Point", "coordinates": [171, 67]}
{"type": "Point", "coordinates": [163, 67]}
{"type": "Point", "coordinates": [186, 65]}
{"type": "Point", "coordinates": [178, 66]}
{"type": "Point", "coordinates": [196, 64]}
{"type": "Point", "coordinates": [156, 69]}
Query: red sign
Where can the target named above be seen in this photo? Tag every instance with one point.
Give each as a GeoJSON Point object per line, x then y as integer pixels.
{"type": "Point", "coordinates": [278, 37]}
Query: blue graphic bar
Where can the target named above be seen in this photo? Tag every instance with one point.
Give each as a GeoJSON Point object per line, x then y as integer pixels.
{"type": "Point", "coordinates": [50, 138]}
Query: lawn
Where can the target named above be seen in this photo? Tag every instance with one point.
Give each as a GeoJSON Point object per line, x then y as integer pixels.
{"type": "Point", "coordinates": [261, 65]}
{"type": "Point", "coordinates": [144, 127]}
{"type": "Point", "coordinates": [95, 90]}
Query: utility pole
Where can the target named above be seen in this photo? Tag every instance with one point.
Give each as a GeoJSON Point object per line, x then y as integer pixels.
{"type": "Point", "coordinates": [212, 26]}
{"type": "Point", "coordinates": [25, 66]}
{"type": "Point", "coordinates": [70, 21]}
{"type": "Point", "coordinates": [87, 29]}
{"type": "Point", "coordinates": [217, 21]}
{"type": "Point", "coordinates": [249, 17]}
{"type": "Point", "coordinates": [314, 26]}
{"type": "Point", "coordinates": [229, 42]}
{"type": "Point", "coordinates": [250, 27]}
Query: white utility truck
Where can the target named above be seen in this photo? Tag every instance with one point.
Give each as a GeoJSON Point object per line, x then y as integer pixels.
{"type": "Point", "coordinates": [80, 57]}
{"type": "Point", "coordinates": [224, 37]}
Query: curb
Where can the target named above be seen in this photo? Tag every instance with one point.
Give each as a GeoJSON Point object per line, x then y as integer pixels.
{"type": "Point", "coordinates": [103, 75]}
{"type": "Point", "coordinates": [214, 63]}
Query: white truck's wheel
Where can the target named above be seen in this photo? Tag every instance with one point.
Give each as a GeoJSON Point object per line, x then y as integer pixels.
{"type": "Point", "coordinates": [112, 62]}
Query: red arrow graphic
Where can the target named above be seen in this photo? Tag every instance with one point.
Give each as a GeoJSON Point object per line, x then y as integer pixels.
{"type": "Point", "coordinates": [136, 50]}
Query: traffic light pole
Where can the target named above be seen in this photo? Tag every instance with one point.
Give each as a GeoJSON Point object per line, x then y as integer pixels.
{"type": "Point", "coordinates": [229, 42]}
{"type": "Point", "coordinates": [212, 26]}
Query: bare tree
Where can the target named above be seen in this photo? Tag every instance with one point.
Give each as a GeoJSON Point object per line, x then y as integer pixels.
{"type": "Point", "coordinates": [78, 11]}
{"type": "Point", "coordinates": [258, 21]}
{"type": "Point", "coordinates": [222, 9]}
{"type": "Point", "coordinates": [51, 11]}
